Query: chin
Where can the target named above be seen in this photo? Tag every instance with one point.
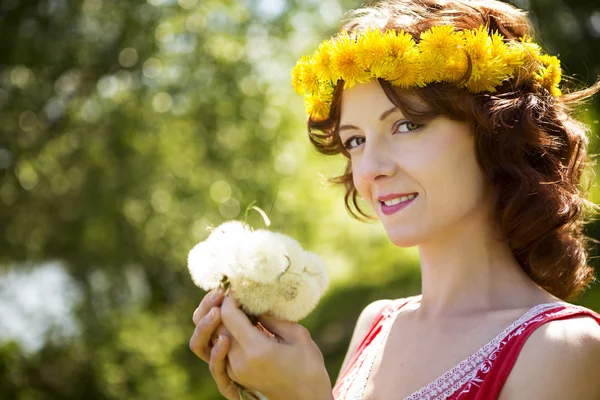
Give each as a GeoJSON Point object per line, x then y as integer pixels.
{"type": "Point", "coordinates": [405, 239]}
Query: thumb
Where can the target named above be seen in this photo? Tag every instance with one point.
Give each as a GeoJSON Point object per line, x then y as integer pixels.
{"type": "Point", "coordinates": [289, 331]}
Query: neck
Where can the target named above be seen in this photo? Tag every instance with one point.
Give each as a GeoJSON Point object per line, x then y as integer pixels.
{"type": "Point", "coordinates": [467, 274]}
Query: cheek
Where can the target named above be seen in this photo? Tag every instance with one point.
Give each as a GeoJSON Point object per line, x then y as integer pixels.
{"type": "Point", "coordinates": [360, 186]}
{"type": "Point", "coordinates": [456, 181]}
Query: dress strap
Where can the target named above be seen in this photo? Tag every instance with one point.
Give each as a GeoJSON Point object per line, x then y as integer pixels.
{"type": "Point", "coordinates": [503, 361]}
{"type": "Point", "coordinates": [351, 378]}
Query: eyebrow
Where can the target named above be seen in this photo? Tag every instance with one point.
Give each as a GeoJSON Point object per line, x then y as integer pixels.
{"type": "Point", "coordinates": [381, 118]}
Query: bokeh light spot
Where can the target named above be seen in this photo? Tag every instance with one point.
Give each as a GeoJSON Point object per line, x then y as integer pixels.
{"type": "Point", "coordinates": [161, 201]}
{"type": "Point", "coordinates": [152, 68]}
{"type": "Point", "coordinates": [135, 210]}
{"type": "Point", "coordinates": [164, 32]}
{"type": "Point", "coordinates": [28, 121]}
{"type": "Point", "coordinates": [285, 164]}
{"type": "Point", "coordinates": [220, 191]}
{"type": "Point", "coordinates": [68, 82]}
{"type": "Point", "coordinates": [162, 102]}
{"type": "Point", "coordinates": [26, 175]}
{"type": "Point", "coordinates": [21, 76]}
{"type": "Point", "coordinates": [108, 86]}
{"type": "Point", "coordinates": [55, 109]}
{"type": "Point", "coordinates": [229, 209]}
{"type": "Point", "coordinates": [188, 4]}
{"type": "Point", "coordinates": [195, 23]}
{"type": "Point", "coordinates": [271, 9]}
{"type": "Point", "coordinates": [128, 57]}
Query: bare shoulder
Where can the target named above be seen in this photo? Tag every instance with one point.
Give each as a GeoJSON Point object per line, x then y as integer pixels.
{"type": "Point", "coordinates": [560, 360]}
{"type": "Point", "coordinates": [363, 324]}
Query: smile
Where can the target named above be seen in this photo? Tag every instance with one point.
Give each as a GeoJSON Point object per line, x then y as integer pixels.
{"type": "Point", "coordinates": [389, 207]}
{"type": "Point", "coordinates": [399, 200]}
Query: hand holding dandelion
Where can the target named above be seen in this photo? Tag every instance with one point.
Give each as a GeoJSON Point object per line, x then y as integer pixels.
{"type": "Point", "coordinates": [269, 273]}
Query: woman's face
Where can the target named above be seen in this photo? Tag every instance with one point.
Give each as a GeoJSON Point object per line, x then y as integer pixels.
{"type": "Point", "coordinates": [393, 157]}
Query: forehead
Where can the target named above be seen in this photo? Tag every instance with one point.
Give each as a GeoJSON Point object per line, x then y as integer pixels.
{"type": "Point", "coordinates": [362, 98]}
{"type": "Point", "coordinates": [368, 101]}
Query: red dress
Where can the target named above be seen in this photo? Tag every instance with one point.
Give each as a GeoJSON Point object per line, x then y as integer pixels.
{"type": "Point", "coordinates": [479, 377]}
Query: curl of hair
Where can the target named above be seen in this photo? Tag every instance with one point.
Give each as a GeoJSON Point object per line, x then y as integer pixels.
{"type": "Point", "coordinates": [529, 144]}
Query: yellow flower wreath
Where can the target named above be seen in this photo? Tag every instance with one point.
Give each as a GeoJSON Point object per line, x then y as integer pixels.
{"type": "Point", "coordinates": [442, 55]}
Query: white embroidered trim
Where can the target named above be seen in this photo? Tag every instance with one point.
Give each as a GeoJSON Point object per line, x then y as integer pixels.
{"type": "Point", "coordinates": [355, 380]}
{"type": "Point", "coordinates": [354, 383]}
{"type": "Point", "coordinates": [466, 371]}
{"type": "Point", "coordinates": [364, 371]}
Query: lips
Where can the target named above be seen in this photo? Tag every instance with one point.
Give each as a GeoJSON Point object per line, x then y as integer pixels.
{"type": "Point", "coordinates": [388, 210]}
{"type": "Point", "coordinates": [393, 196]}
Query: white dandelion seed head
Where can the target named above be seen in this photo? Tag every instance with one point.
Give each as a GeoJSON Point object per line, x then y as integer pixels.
{"type": "Point", "coordinates": [255, 298]}
{"type": "Point", "coordinates": [205, 263]}
{"type": "Point", "coordinates": [316, 268]}
{"type": "Point", "coordinates": [261, 257]}
{"type": "Point", "coordinates": [269, 272]}
{"type": "Point", "coordinates": [229, 231]}
{"type": "Point", "coordinates": [214, 258]}
{"type": "Point", "coordinates": [301, 286]}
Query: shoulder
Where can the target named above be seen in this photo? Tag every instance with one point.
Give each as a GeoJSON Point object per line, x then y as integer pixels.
{"type": "Point", "coordinates": [363, 324]}
{"type": "Point", "coordinates": [365, 321]}
{"type": "Point", "coordinates": [560, 360]}
{"type": "Point", "coordinates": [368, 314]}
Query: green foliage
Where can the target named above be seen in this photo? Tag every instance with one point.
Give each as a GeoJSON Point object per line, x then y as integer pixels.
{"type": "Point", "coordinates": [129, 127]}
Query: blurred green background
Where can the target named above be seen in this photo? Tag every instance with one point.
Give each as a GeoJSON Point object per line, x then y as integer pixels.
{"type": "Point", "coordinates": [127, 127]}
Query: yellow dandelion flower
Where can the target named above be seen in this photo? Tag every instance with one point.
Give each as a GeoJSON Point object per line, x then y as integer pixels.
{"type": "Point", "coordinates": [455, 67]}
{"type": "Point", "coordinates": [406, 73]}
{"type": "Point", "coordinates": [317, 108]}
{"type": "Point", "coordinates": [326, 90]}
{"type": "Point", "coordinates": [481, 84]}
{"type": "Point", "coordinates": [528, 45]}
{"type": "Point", "coordinates": [549, 74]}
{"type": "Point", "coordinates": [345, 63]}
{"type": "Point", "coordinates": [309, 79]}
{"type": "Point", "coordinates": [398, 44]}
{"type": "Point", "coordinates": [371, 51]}
{"type": "Point", "coordinates": [497, 46]}
{"type": "Point", "coordinates": [478, 44]}
{"type": "Point", "coordinates": [530, 51]}
{"type": "Point", "coordinates": [322, 62]}
{"type": "Point", "coordinates": [441, 40]}
{"type": "Point", "coordinates": [431, 67]}
{"type": "Point", "coordinates": [514, 55]}
{"type": "Point", "coordinates": [489, 77]}
{"type": "Point", "coordinates": [296, 81]}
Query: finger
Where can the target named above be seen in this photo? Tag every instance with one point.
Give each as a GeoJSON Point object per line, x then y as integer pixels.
{"type": "Point", "coordinates": [289, 332]}
{"type": "Point", "coordinates": [221, 330]}
{"type": "Point", "coordinates": [200, 342]}
{"type": "Point", "coordinates": [214, 298]}
{"type": "Point", "coordinates": [239, 325]}
{"type": "Point", "coordinates": [218, 368]}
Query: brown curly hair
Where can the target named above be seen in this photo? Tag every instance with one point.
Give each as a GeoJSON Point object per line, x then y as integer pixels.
{"type": "Point", "coordinates": [528, 143]}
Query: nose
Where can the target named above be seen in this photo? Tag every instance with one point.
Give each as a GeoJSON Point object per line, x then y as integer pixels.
{"type": "Point", "coordinates": [376, 162]}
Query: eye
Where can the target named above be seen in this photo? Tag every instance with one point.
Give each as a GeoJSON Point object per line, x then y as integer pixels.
{"type": "Point", "coordinates": [353, 142]}
{"type": "Point", "coordinates": [403, 126]}
{"type": "Point", "coordinates": [407, 126]}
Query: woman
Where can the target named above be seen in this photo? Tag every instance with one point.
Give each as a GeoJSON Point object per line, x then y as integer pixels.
{"type": "Point", "coordinates": [460, 140]}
